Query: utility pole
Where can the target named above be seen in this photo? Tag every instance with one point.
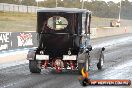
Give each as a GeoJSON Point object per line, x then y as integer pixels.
{"type": "Point", "coordinates": [37, 3]}
{"type": "Point", "coordinates": [20, 3]}
{"type": "Point", "coordinates": [82, 4]}
{"type": "Point", "coordinates": [56, 3]}
{"type": "Point", "coordinates": [119, 12]}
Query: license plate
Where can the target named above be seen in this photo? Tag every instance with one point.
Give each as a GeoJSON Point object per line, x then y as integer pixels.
{"type": "Point", "coordinates": [42, 57]}
{"type": "Point", "coordinates": [67, 57]}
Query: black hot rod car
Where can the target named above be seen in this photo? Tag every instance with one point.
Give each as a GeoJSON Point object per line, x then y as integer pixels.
{"type": "Point", "coordinates": [63, 40]}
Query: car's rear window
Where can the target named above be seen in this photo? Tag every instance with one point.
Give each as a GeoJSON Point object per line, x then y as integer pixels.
{"type": "Point", "coordinates": [57, 23]}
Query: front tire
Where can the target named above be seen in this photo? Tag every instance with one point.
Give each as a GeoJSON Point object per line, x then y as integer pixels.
{"type": "Point", "coordinates": [34, 66]}
{"type": "Point", "coordinates": [101, 62]}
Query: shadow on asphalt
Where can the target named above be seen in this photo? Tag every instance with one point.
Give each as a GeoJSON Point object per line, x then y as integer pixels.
{"type": "Point", "coordinates": [65, 72]}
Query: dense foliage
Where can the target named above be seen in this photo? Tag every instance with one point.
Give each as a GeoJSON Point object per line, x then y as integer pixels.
{"type": "Point", "coordinates": [99, 8]}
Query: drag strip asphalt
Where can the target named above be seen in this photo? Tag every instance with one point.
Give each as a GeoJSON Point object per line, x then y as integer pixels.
{"type": "Point", "coordinates": [118, 65]}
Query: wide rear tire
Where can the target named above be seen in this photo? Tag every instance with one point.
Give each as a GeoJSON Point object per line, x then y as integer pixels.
{"type": "Point", "coordinates": [34, 67]}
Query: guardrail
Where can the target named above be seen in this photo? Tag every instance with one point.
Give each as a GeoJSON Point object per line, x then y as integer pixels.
{"type": "Point", "coordinates": [109, 31]}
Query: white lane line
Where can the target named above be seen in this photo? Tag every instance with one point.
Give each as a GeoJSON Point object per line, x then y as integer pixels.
{"type": "Point", "coordinates": [4, 54]}
{"type": "Point", "coordinates": [14, 52]}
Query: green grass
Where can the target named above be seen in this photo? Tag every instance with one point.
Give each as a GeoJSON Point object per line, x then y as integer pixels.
{"type": "Point", "coordinates": [17, 22]}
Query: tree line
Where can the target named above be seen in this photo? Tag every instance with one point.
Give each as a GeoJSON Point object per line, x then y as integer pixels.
{"type": "Point", "coordinates": [98, 8]}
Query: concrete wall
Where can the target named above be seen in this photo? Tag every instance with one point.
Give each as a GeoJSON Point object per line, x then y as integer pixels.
{"type": "Point", "coordinates": [17, 40]}
{"type": "Point", "coordinates": [109, 31]}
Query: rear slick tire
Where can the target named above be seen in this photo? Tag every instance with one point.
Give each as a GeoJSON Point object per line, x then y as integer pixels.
{"type": "Point", "coordinates": [33, 66]}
